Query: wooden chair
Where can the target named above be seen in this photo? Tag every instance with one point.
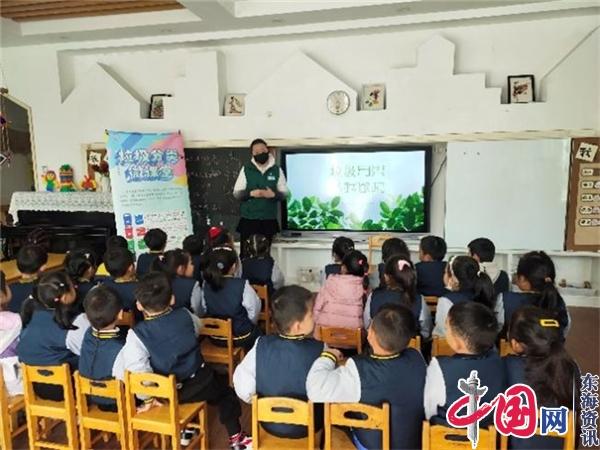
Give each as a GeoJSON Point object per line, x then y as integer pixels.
{"type": "Point", "coordinates": [375, 418]}
{"type": "Point", "coordinates": [265, 313]}
{"type": "Point", "coordinates": [128, 319]}
{"type": "Point", "coordinates": [440, 437]}
{"type": "Point", "coordinates": [38, 408]}
{"type": "Point", "coordinates": [568, 438]}
{"type": "Point", "coordinates": [341, 337]}
{"type": "Point", "coordinates": [415, 343]}
{"type": "Point", "coordinates": [376, 242]}
{"type": "Point", "coordinates": [505, 348]}
{"type": "Point", "coordinates": [230, 355]}
{"type": "Point", "coordinates": [281, 410]}
{"type": "Point", "coordinates": [440, 347]}
{"type": "Point", "coordinates": [167, 420]}
{"type": "Point", "coordinates": [9, 407]}
{"type": "Point", "coordinates": [92, 418]}
{"type": "Point", "coordinates": [431, 301]}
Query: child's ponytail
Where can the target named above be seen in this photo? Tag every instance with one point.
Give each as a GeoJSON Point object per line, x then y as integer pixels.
{"type": "Point", "coordinates": [47, 294]}
{"type": "Point", "coordinates": [472, 277]}
{"type": "Point", "coordinates": [170, 261]}
{"type": "Point", "coordinates": [538, 269]}
{"type": "Point", "coordinates": [220, 260]}
{"type": "Point", "coordinates": [550, 370]}
{"type": "Point", "coordinates": [402, 278]}
{"type": "Point", "coordinates": [356, 264]}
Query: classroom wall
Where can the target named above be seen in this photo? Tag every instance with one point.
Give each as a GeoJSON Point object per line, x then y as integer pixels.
{"type": "Point", "coordinates": [440, 78]}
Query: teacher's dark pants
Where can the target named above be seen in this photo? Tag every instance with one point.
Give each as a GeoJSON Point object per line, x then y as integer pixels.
{"type": "Point", "coordinates": [248, 227]}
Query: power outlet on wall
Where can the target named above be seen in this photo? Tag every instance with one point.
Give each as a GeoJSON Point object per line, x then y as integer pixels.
{"type": "Point", "coordinates": [309, 274]}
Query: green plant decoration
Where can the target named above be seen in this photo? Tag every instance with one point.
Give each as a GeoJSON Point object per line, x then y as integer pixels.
{"type": "Point", "coordinates": [310, 213]}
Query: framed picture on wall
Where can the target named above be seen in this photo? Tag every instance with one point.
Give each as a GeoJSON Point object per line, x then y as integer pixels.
{"type": "Point", "coordinates": [157, 109]}
{"type": "Point", "coordinates": [521, 89]}
{"type": "Point", "coordinates": [373, 96]}
{"type": "Point", "coordinates": [235, 104]}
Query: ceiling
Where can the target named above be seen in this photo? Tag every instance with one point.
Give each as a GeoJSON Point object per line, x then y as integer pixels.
{"type": "Point", "coordinates": [31, 22]}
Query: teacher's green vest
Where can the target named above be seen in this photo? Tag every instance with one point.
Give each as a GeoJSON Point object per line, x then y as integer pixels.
{"type": "Point", "coordinates": [260, 208]}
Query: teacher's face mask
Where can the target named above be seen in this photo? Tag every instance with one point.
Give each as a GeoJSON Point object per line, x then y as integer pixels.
{"type": "Point", "coordinates": [261, 158]}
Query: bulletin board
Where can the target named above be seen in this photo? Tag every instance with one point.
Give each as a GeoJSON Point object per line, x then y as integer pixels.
{"type": "Point", "coordinates": [583, 207]}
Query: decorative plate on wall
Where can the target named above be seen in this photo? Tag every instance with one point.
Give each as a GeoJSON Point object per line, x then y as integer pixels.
{"type": "Point", "coordinates": [338, 102]}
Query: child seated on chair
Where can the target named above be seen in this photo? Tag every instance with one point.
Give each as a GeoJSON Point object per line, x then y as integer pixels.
{"type": "Point", "coordinates": [259, 267]}
{"type": "Point", "coordinates": [166, 343]}
{"type": "Point", "coordinates": [179, 267]}
{"type": "Point", "coordinates": [227, 297]}
{"type": "Point", "coordinates": [111, 242]}
{"type": "Point", "coordinates": [391, 247]}
{"type": "Point", "coordinates": [121, 267]}
{"type": "Point", "coordinates": [52, 333]}
{"type": "Point", "coordinates": [542, 362]}
{"type": "Point", "coordinates": [278, 365]}
{"type": "Point", "coordinates": [156, 241]}
{"type": "Point", "coordinates": [483, 251]}
{"type": "Point", "coordinates": [10, 327]}
{"type": "Point", "coordinates": [31, 262]}
{"type": "Point", "coordinates": [465, 282]}
{"type": "Point", "coordinates": [431, 268]}
{"type": "Point", "coordinates": [341, 300]}
{"type": "Point", "coordinates": [81, 267]}
{"type": "Point", "coordinates": [102, 348]}
{"type": "Point", "coordinates": [400, 288]}
{"type": "Point", "coordinates": [471, 331]}
{"type": "Point", "coordinates": [392, 373]}
{"type": "Point", "coordinates": [341, 247]}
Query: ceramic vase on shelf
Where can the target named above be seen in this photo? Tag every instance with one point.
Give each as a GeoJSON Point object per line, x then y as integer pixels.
{"type": "Point", "coordinates": [105, 183]}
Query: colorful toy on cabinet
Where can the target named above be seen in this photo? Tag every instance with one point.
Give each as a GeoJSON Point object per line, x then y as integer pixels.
{"type": "Point", "coordinates": [49, 177]}
{"type": "Point", "coordinates": [66, 178]}
{"type": "Point", "coordinates": [87, 184]}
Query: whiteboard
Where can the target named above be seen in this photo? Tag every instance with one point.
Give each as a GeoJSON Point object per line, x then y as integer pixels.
{"type": "Point", "coordinates": [513, 192]}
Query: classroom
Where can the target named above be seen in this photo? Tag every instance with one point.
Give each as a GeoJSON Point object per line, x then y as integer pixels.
{"type": "Point", "coordinates": [289, 224]}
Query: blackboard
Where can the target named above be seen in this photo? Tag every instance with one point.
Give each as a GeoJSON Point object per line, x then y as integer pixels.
{"type": "Point", "coordinates": [211, 176]}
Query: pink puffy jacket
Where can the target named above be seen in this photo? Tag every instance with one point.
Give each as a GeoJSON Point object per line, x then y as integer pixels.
{"type": "Point", "coordinates": [340, 302]}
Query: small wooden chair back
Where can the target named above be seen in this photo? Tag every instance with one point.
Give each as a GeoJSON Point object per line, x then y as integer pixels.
{"type": "Point", "coordinates": [282, 410]}
{"type": "Point", "coordinates": [128, 319]}
{"type": "Point", "coordinates": [431, 301]}
{"type": "Point", "coordinates": [265, 314]}
{"type": "Point", "coordinates": [376, 242]}
{"type": "Point", "coordinates": [436, 437]}
{"type": "Point", "coordinates": [415, 343]}
{"type": "Point", "coordinates": [219, 329]}
{"type": "Point", "coordinates": [338, 337]}
{"type": "Point", "coordinates": [440, 347]}
{"type": "Point", "coordinates": [36, 407]}
{"type": "Point", "coordinates": [505, 348]}
{"type": "Point", "coordinates": [9, 406]}
{"type": "Point", "coordinates": [91, 418]}
{"type": "Point", "coordinates": [345, 415]}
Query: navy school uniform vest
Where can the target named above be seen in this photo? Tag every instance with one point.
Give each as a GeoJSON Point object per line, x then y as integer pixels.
{"type": "Point", "coordinates": [99, 351]}
{"type": "Point", "coordinates": [282, 364]}
{"type": "Point", "coordinates": [182, 290]}
{"type": "Point", "coordinates": [126, 291]}
{"type": "Point", "coordinates": [259, 271]}
{"type": "Point", "coordinates": [490, 370]}
{"type": "Point", "coordinates": [381, 297]}
{"type": "Point", "coordinates": [430, 278]}
{"type": "Point", "coordinates": [44, 343]}
{"type": "Point", "coordinates": [144, 263]}
{"type": "Point", "coordinates": [172, 343]}
{"type": "Point", "coordinates": [20, 292]}
{"type": "Point", "coordinates": [515, 300]}
{"type": "Point", "coordinates": [502, 283]}
{"type": "Point", "coordinates": [400, 381]}
{"type": "Point", "coordinates": [457, 297]}
{"type": "Point", "coordinates": [515, 373]}
{"type": "Point", "coordinates": [227, 304]}
{"type": "Point", "coordinates": [332, 269]}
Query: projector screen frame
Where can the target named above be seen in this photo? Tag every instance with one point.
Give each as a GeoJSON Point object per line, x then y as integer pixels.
{"type": "Point", "coordinates": [427, 149]}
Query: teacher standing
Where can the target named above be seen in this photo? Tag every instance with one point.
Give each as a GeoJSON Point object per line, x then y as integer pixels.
{"type": "Point", "coordinates": [260, 186]}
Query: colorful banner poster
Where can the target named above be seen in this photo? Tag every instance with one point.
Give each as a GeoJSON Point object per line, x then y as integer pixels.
{"type": "Point", "coordinates": [149, 186]}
